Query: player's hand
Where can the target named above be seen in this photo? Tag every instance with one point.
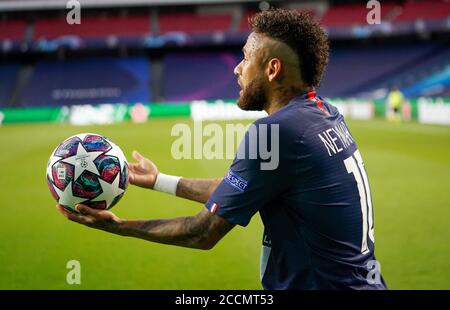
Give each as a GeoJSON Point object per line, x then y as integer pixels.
{"type": "Point", "coordinates": [99, 219]}
{"type": "Point", "coordinates": [143, 173]}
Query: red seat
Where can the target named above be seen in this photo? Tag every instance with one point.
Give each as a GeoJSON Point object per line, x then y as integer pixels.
{"type": "Point", "coordinates": [244, 26]}
{"type": "Point", "coordinates": [12, 29]}
{"type": "Point", "coordinates": [194, 23]}
{"type": "Point", "coordinates": [93, 27]}
{"type": "Point", "coordinates": [427, 10]}
{"type": "Point", "coordinates": [352, 14]}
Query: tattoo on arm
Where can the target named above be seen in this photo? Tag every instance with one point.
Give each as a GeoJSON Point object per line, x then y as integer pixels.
{"type": "Point", "coordinates": [202, 231]}
{"type": "Point", "coordinates": [197, 189]}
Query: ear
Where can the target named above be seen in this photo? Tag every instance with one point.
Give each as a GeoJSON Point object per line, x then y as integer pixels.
{"type": "Point", "coordinates": [274, 69]}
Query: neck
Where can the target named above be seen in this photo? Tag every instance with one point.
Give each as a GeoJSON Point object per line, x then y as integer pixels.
{"type": "Point", "coordinates": [281, 96]}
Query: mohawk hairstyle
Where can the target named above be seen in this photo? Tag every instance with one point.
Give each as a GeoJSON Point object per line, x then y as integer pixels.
{"type": "Point", "coordinates": [300, 32]}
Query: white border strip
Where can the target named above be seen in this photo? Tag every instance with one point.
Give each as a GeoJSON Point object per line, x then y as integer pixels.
{"type": "Point", "coordinates": [22, 5]}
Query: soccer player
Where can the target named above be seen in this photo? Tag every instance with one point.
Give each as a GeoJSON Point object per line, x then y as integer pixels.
{"type": "Point", "coordinates": [314, 200]}
{"type": "Point", "coordinates": [395, 102]}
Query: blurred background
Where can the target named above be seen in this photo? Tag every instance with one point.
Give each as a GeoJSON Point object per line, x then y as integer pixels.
{"type": "Point", "coordinates": [133, 69]}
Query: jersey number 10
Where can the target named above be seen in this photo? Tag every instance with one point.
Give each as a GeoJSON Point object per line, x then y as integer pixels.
{"type": "Point", "coordinates": [355, 166]}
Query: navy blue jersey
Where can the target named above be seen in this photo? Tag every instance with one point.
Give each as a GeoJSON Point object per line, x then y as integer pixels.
{"type": "Point", "coordinates": [303, 173]}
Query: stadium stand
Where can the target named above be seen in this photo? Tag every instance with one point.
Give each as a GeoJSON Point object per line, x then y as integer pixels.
{"type": "Point", "coordinates": [93, 26]}
{"type": "Point", "coordinates": [92, 80]}
{"type": "Point", "coordinates": [437, 84]}
{"type": "Point", "coordinates": [243, 25]}
{"type": "Point", "coordinates": [214, 78]}
{"type": "Point", "coordinates": [12, 29]}
{"type": "Point", "coordinates": [425, 10]}
{"type": "Point", "coordinates": [431, 64]}
{"type": "Point", "coordinates": [373, 65]}
{"type": "Point", "coordinates": [350, 14]}
{"type": "Point", "coordinates": [190, 21]}
{"type": "Point", "coordinates": [8, 74]}
{"type": "Point", "coordinates": [355, 14]}
{"type": "Point", "coordinates": [370, 66]}
{"type": "Point", "coordinates": [194, 22]}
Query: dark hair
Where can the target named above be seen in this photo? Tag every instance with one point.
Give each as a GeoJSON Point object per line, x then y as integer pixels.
{"type": "Point", "coordinates": [302, 33]}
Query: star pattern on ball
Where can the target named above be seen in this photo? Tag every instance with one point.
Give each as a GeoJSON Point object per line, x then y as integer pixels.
{"type": "Point", "coordinates": [83, 160]}
{"type": "Point", "coordinates": [53, 159]}
{"type": "Point", "coordinates": [66, 197]}
{"type": "Point", "coordinates": [109, 191]}
{"type": "Point", "coordinates": [116, 152]}
{"type": "Point", "coordinates": [83, 136]}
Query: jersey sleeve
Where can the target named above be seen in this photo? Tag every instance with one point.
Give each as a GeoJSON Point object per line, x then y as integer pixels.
{"type": "Point", "coordinates": [252, 181]}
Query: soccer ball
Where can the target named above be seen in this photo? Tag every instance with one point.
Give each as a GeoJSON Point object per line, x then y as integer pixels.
{"type": "Point", "coordinates": [87, 168]}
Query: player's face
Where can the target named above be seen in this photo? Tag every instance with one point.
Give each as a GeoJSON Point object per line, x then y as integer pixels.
{"type": "Point", "coordinates": [250, 74]}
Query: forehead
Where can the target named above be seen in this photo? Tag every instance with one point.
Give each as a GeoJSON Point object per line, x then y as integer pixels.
{"type": "Point", "coordinates": [254, 42]}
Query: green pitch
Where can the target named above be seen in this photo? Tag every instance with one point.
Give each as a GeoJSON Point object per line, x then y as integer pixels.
{"type": "Point", "coordinates": [408, 166]}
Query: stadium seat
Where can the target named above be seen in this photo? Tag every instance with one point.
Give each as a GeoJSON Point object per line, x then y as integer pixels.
{"type": "Point", "coordinates": [370, 66]}
{"type": "Point", "coordinates": [244, 26]}
{"type": "Point", "coordinates": [93, 26]}
{"type": "Point", "coordinates": [8, 73]}
{"type": "Point", "coordinates": [244, 23]}
{"type": "Point", "coordinates": [194, 23]}
{"type": "Point", "coordinates": [351, 14]}
{"type": "Point", "coordinates": [178, 85]}
{"type": "Point", "coordinates": [12, 29]}
{"type": "Point", "coordinates": [426, 10]}
{"type": "Point", "coordinates": [88, 80]}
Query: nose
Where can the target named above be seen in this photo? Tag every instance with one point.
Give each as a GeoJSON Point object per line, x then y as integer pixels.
{"type": "Point", "coordinates": [237, 69]}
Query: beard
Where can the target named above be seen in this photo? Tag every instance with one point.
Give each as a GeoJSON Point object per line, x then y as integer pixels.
{"type": "Point", "coordinates": [253, 96]}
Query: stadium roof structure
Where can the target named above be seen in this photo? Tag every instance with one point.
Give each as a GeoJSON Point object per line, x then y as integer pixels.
{"type": "Point", "coordinates": [19, 5]}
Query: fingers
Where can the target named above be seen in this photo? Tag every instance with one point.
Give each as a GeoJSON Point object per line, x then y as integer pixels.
{"type": "Point", "coordinates": [140, 165]}
{"type": "Point", "coordinates": [134, 173]}
{"type": "Point", "coordinates": [62, 210]}
{"type": "Point", "coordinates": [131, 177]}
{"type": "Point", "coordinates": [85, 210]}
{"type": "Point", "coordinates": [137, 156]}
{"type": "Point", "coordinates": [131, 173]}
{"type": "Point", "coordinates": [85, 220]}
{"type": "Point", "coordinates": [132, 167]}
{"type": "Point", "coordinates": [100, 219]}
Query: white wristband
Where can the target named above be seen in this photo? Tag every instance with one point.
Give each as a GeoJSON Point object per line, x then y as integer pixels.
{"type": "Point", "coordinates": [166, 183]}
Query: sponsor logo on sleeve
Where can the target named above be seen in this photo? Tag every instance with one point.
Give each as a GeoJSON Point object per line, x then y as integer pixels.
{"type": "Point", "coordinates": [236, 181]}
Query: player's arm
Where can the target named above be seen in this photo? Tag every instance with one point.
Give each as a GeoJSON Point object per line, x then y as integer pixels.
{"type": "Point", "coordinates": [201, 231]}
{"type": "Point", "coordinates": [197, 189]}
{"type": "Point", "coordinates": [144, 173]}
